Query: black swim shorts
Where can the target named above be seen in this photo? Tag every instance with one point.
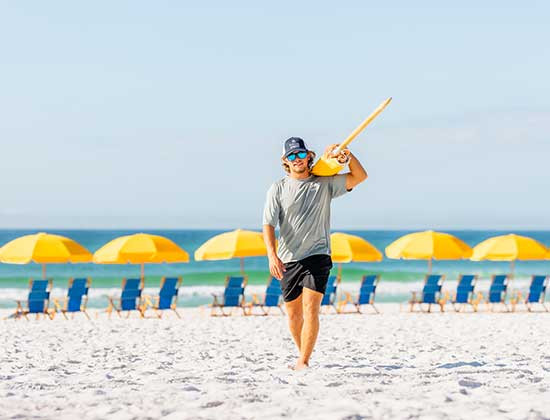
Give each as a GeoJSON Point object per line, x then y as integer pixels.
{"type": "Point", "coordinates": [312, 272]}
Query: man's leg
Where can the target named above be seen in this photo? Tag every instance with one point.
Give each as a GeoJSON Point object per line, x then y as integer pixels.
{"type": "Point", "coordinates": [295, 319]}
{"type": "Point", "coordinates": [311, 301]}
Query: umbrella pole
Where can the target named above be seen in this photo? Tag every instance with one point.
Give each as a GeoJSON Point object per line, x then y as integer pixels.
{"type": "Point", "coordinates": [512, 267]}
{"type": "Point", "coordinates": [430, 266]}
{"type": "Point", "coordinates": [142, 271]}
{"type": "Point", "coordinates": [340, 271]}
{"type": "Point", "coordinates": [242, 266]}
{"type": "Point", "coordinates": [43, 271]}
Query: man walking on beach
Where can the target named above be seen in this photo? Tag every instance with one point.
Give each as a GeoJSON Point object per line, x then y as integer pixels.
{"type": "Point", "coordinates": [300, 204]}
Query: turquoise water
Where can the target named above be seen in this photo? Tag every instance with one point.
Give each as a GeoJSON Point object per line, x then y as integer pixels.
{"type": "Point", "coordinates": [200, 279]}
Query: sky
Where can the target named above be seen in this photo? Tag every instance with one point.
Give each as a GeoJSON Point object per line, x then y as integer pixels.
{"type": "Point", "coordinates": [169, 114]}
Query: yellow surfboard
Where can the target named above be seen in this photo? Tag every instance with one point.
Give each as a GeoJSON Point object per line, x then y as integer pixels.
{"type": "Point", "coordinates": [330, 166]}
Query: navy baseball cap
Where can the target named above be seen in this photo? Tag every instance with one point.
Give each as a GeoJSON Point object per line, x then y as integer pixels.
{"type": "Point", "coordinates": [294, 145]}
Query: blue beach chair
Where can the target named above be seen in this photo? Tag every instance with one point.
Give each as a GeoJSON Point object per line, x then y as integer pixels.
{"type": "Point", "coordinates": [464, 294]}
{"type": "Point", "coordinates": [232, 297]}
{"type": "Point", "coordinates": [367, 293]}
{"type": "Point", "coordinates": [167, 298]}
{"type": "Point", "coordinates": [40, 285]}
{"type": "Point", "coordinates": [130, 298]}
{"type": "Point", "coordinates": [329, 298]}
{"type": "Point", "coordinates": [498, 290]}
{"type": "Point", "coordinates": [37, 301]}
{"type": "Point", "coordinates": [76, 299]}
{"type": "Point", "coordinates": [537, 292]}
{"type": "Point", "coordinates": [430, 294]}
{"type": "Point", "coordinates": [272, 298]}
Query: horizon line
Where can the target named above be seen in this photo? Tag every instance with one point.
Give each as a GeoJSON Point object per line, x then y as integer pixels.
{"type": "Point", "coordinates": [376, 228]}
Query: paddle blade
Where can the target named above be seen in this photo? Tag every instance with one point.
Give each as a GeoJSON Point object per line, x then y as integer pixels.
{"type": "Point", "coordinates": [326, 167]}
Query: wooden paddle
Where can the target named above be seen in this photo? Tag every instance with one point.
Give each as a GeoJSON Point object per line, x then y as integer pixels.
{"type": "Point", "coordinates": [329, 166]}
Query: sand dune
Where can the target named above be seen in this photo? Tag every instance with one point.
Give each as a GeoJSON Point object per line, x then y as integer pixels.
{"type": "Point", "coordinates": [394, 365]}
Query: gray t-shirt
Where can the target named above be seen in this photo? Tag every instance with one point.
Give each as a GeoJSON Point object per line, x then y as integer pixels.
{"type": "Point", "coordinates": [301, 207]}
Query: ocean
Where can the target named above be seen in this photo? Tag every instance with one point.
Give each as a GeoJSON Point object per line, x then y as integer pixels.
{"type": "Point", "coordinates": [201, 279]}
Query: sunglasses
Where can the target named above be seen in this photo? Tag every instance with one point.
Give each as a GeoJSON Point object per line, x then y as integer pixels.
{"type": "Point", "coordinates": [292, 157]}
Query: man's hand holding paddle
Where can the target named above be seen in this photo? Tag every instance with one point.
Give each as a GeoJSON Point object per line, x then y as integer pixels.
{"type": "Point", "coordinates": [342, 157]}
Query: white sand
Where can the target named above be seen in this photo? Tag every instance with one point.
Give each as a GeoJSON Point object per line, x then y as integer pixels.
{"type": "Point", "coordinates": [394, 365]}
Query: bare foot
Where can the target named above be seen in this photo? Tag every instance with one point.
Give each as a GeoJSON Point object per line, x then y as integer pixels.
{"type": "Point", "coordinates": [299, 366]}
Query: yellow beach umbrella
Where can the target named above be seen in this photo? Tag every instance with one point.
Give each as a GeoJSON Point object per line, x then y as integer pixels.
{"type": "Point", "coordinates": [235, 244]}
{"type": "Point", "coordinates": [140, 248]}
{"type": "Point", "coordinates": [428, 245]}
{"type": "Point", "coordinates": [510, 247]}
{"type": "Point", "coordinates": [44, 248]}
{"type": "Point", "coordinates": [347, 248]}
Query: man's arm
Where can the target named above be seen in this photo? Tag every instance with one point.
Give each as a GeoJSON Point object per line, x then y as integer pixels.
{"type": "Point", "coordinates": [356, 174]}
{"type": "Point", "coordinates": [276, 266]}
